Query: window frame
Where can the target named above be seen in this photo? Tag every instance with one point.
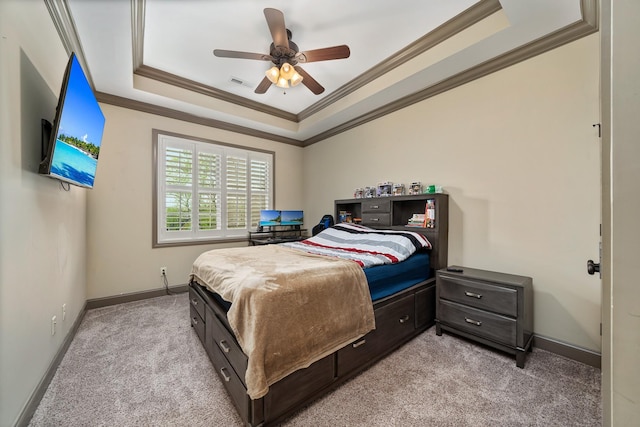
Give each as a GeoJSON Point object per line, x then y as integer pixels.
{"type": "Point", "coordinates": [162, 238]}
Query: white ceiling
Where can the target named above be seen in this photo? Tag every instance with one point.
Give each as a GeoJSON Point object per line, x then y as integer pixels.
{"type": "Point", "coordinates": [177, 39]}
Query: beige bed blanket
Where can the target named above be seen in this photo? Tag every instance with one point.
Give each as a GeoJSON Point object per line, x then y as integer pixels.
{"type": "Point", "coordinates": [289, 308]}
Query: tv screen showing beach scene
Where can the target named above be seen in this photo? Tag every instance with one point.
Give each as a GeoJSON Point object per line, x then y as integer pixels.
{"type": "Point", "coordinates": [269, 218]}
{"type": "Point", "coordinates": [291, 218]}
{"type": "Point", "coordinates": [78, 131]}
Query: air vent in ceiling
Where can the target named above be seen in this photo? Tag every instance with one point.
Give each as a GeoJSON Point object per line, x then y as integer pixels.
{"type": "Point", "coordinates": [240, 82]}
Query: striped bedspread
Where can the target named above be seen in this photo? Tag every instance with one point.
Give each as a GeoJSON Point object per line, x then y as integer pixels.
{"type": "Point", "coordinates": [366, 246]}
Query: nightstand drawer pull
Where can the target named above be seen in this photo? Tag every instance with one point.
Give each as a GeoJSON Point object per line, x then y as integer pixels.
{"type": "Point", "coordinates": [375, 219]}
{"type": "Point", "coordinates": [194, 320]}
{"type": "Point", "coordinates": [473, 322]}
{"type": "Point", "coordinates": [223, 345]}
{"type": "Point", "coordinates": [226, 377]}
{"type": "Point", "coordinates": [194, 302]}
{"type": "Point", "coordinates": [359, 343]}
{"type": "Point", "coordinates": [404, 318]}
{"type": "Point", "coordinates": [375, 207]}
{"type": "Point", "coordinates": [472, 295]}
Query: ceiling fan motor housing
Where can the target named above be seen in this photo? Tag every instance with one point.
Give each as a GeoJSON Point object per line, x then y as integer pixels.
{"type": "Point", "coordinates": [282, 54]}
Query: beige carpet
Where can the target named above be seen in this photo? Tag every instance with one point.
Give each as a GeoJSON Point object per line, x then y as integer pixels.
{"type": "Point", "coordinates": [141, 364]}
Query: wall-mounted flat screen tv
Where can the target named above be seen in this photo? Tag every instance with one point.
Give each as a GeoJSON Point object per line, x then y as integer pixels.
{"type": "Point", "coordinates": [269, 218]}
{"type": "Point", "coordinates": [292, 218]}
{"type": "Point", "coordinates": [76, 133]}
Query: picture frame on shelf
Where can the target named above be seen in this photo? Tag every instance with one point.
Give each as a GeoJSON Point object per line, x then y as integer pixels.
{"type": "Point", "coordinates": [385, 189]}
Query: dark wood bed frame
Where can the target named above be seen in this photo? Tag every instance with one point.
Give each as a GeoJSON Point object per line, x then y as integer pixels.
{"type": "Point", "coordinates": [399, 318]}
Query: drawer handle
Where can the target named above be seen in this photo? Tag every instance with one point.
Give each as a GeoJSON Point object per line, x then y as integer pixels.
{"type": "Point", "coordinates": [375, 207]}
{"type": "Point", "coordinates": [375, 219]}
{"type": "Point", "coordinates": [473, 322]}
{"type": "Point", "coordinates": [226, 377]}
{"type": "Point", "coordinates": [359, 343]}
{"type": "Point", "coordinates": [472, 295]}
{"type": "Point", "coordinates": [194, 301]}
{"type": "Point", "coordinates": [404, 318]}
{"type": "Point", "coordinates": [223, 345]}
{"type": "Point", "coordinates": [194, 320]}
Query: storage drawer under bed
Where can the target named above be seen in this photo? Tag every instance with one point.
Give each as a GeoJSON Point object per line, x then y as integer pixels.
{"type": "Point", "coordinates": [197, 323]}
{"type": "Point", "coordinates": [225, 341]}
{"type": "Point", "coordinates": [394, 322]}
{"type": "Point", "coordinates": [196, 302]}
{"type": "Point", "coordinates": [230, 379]}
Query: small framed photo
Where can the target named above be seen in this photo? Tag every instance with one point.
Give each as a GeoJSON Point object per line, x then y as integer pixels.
{"type": "Point", "coordinates": [385, 189]}
{"type": "Point", "coordinates": [369, 192]}
{"type": "Point", "coordinates": [398, 189]}
{"type": "Point", "coordinates": [415, 188]}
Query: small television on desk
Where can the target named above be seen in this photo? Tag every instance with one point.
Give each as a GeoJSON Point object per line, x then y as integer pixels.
{"type": "Point", "coordinates": [292, 218]}
{"type": "Point", "coordinates": [269, 218]}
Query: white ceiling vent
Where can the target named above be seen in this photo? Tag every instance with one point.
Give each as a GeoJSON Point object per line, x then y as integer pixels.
{"type": "Point", "coordinates": [239, 81]}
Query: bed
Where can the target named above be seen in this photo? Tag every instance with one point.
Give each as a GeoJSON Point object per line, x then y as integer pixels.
{"type": "Point", "coordinates": [341, 313]}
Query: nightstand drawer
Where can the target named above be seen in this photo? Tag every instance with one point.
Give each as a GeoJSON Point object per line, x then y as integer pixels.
{"type": "Point", "coordinates": [196, 302]}
{"type": "Point", "coordinates": [488, 325]}
{"type": "Point", "coordinates": [380, 219]}
{"type": "Point", "coordinates": [376, 205]}
{"type": "Point", "coordinates": [495, 298]}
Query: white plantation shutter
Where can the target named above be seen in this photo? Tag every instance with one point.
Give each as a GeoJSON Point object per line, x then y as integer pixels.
{"type": "Point", "coordinates": [208, 191]}
{"type": "Point", "coordinates": [237, 198]}
{"type": "Point", "coordinates": [260, 189]}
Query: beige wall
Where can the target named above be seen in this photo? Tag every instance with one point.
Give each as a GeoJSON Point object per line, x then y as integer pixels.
{"type": "Point", "coordinates": [121, 259]}
{"type": "Point", "coordinates": [520, 159]}
{"type": "Point", "coordinates": [42, 227]}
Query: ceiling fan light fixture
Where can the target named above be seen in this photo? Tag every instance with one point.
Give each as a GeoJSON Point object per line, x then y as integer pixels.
{"type": "Point", "coordinates": [286, 71]}
{"type": "Point", "coordinates": [284, 54]}
{"type": "Point", "coordinates": [296, 79]}
{"type": "Point", "coordinates": [273, 74]}
{"type": "Point", "coordinates": [283, 83]}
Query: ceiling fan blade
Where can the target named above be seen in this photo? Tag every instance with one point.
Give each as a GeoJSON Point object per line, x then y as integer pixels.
{"type": "Point", "coordinates": [221, 53]}
{"type": "Point", "coordinates": [309, 81]}
{"type": "Point", "coordinates": [263, 86]}
{"type": "Point", "coordinates": [325, 54]}
{"type": "Point", "coordinates": [275, 21]}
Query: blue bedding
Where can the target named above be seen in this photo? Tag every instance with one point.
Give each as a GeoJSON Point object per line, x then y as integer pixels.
{"type": "Point", "coordinates": [385, 280]}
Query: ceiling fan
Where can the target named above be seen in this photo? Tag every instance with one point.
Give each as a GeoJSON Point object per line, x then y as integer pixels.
{"type": "Point", "coordinates": [286, 56]}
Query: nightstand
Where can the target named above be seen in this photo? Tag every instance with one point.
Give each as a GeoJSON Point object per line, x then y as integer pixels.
{"type": "Point", "coordinates": [492, 308]}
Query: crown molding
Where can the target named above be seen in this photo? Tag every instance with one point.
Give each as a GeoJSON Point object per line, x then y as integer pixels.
{"type": "Point", "coordinates": [193, 86]}
{"type": "Point", "coordinates": [587, 25]}
{"type": "Point", "coordinates": [455, 25]}
{"type": "Point", "coordinates": [146, 107]}
{"type": "Point", "coordinates": [66, 27]}
{"type": "Point", "coordinates": [137, 32]}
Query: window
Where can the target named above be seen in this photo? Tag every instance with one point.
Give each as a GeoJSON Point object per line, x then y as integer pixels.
{"type": "Point", "coordinates": [207, 191]}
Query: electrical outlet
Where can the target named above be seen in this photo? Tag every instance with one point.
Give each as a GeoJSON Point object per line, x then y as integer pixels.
{"type": "Point", "coordinates": [64, 311]}
{"type": "Point", "coordinates": [163, 271]}
{"type": "Point", "coordinates": [53, 325]}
